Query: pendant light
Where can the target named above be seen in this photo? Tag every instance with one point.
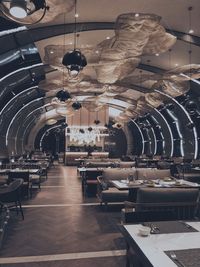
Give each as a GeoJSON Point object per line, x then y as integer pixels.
{"type": "Point", "coordinates": [21, 10]}
{"type": "Point", "coordinates": [74, 60]}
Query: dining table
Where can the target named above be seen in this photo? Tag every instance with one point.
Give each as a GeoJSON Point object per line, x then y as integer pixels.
{"type": "Point", "coordinates": [172, 244]}
{"type": "Point", "coordinates": [133, 186]}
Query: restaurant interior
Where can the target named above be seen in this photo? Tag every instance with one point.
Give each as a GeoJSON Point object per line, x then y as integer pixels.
{"type": "Point", "coordinates": [99, 133]}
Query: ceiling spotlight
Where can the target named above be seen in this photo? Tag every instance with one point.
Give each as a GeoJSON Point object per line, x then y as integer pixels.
{"type": "Point", "coordinates": [191, 31]}
{"type": "Point", "coordinates": [157, 54]}
{"type": "Point", "coordinates": [63, 95]}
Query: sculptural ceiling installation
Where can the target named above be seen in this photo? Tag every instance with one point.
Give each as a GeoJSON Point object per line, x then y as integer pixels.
{"type": "Point", "coordinates": [112, 71]}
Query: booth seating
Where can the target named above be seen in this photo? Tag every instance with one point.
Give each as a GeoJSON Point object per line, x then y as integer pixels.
{"type": "Point", "coordinates": [181, 203]}
{"type": "Point", "coordinates": [93, 162]}
{"type": "Point", "coordinates": [107, 193]}
{"type": "Point", "coordinates": [108, 163]}
{"type": "Point", "coordinates": [99, 164]}
{"type": "Point", "coordinates": [126, 164]}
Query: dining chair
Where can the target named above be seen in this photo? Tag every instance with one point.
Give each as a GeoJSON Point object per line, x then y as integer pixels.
{"type": "Point", "coordinates": [11, 195]}
{"type": "Point", "coordinates": [27, 185]}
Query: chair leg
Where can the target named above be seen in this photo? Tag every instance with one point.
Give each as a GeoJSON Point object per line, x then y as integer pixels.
{"type": "Point", "coordinates": [20, 207]}
{"type": "Point", "coordinates": [16, 208]}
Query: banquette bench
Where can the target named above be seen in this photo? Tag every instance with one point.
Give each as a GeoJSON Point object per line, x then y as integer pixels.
{"type": "Point", "coordinates": [162, 204]}
{"type": "Point", "coordinates": [106, 192]}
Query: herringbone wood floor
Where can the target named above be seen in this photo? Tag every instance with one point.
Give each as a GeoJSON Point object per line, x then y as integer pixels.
{"type": "Point", "coordinates": [60, 230]}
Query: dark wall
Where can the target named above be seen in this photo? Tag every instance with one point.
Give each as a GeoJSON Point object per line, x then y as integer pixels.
{"type": "Point", "coordinates": [116, 143]}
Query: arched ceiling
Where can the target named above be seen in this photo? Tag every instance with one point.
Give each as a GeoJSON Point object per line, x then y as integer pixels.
{"type": "Point", "coordinates": [96, 22]}
{"type": "Point", "coordinates": [127, 58]}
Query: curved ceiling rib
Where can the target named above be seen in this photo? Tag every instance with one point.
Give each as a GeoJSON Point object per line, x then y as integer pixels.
{"type": "Point", "coordinates": [11, 127]}
{"type": "Point", "coordinates": [55, 30]}
{"type": "Point", "coordinates": [195, 136]}
{"type": "Point", "coordinates": [167, 130]}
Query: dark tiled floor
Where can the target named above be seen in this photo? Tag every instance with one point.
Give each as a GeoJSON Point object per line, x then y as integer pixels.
{"type": "Point", "coordinates": [60, 230]}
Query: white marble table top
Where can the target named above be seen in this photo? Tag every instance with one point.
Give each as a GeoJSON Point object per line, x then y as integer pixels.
{"type": "Point", "coordinates": [123, 184]}
{"type": "Point", "coordinates": [153, 246]}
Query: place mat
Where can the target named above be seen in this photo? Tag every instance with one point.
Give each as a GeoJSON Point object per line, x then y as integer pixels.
{"type": "Point", "coordinates": [188, 257]}
{"type": "Point", "coordinates": [166, 227]}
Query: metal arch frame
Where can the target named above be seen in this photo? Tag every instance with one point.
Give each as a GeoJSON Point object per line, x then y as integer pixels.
{"type": "Point", "coordinates": [24, 134]}
{"type": "Point", "coordinates": [140, 134]}
{"type": "Point", "coordinates": [48, 130]}
{"type": "Point", "coordinates": [176, 122]}
{"type": "Point", "coordinates": [189, 118]}
{"type": "Point", "coordinates": [25, 130]}
{"type": "Point", "coordinates": [8, 129]}
{"type": "Point", "coordinates": [155, 140]}
{"type": "Point", "coordinates": [18, 70]}
{"type": "Point", "coordinates": [16, 136]}
{"type": "Point", "coordinates": [30, 88]}
{"type": "Point", "coordinates": [170, 131]}
{"type": "Point", "coordinates": [42, 107]}
{"type": "Point", "coordinates": [14, 30]}
{"type": "Point", "coordinates": [161, 133]}
{"type": "Point", "coordinates": [30, 102]}
{"type": "Point", "coordinates": [18, 130]}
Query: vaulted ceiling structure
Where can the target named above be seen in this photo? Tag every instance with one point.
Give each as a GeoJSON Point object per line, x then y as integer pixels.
{"type": "Point", "coordinates": [143, 64]}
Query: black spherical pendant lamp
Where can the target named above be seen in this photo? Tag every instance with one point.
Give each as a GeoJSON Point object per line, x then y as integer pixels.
{"type": "Point", "coordinates": [76, 105]}
{"type": "Point", "coordinates": [63, 95]}
{"type": "Point", "coordinates": [74, 61]}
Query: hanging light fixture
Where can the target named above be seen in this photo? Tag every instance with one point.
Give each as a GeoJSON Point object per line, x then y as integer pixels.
{"type": "Point", "coordinates": [19, 10]}
{"type": "Point", "coordinates": [76, 105]}
{"type": "Point", "coordinates": [74, 60]}
{"type": "Point", "coordinates": [63, 95]}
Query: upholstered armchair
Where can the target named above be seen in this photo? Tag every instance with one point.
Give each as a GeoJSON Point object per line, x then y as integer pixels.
{"type": "Point", "coordinates": [27, 184]}
{"type": "Point", "coordinates": [11, 195]}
